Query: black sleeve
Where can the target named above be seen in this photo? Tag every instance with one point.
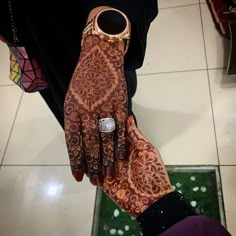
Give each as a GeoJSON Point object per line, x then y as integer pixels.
{"type": "Point", "coordinates": [141, 13]}
{"type": "Point", "coordinates": [5, 26]}
{"type": "Point", "coordinates": [164, 213]}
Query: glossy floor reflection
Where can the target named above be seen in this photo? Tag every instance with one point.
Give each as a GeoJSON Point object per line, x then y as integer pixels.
{"type": "Point", "coordinates": [200, 185]}
{"type": "Point", "coordinates": [185, 105]}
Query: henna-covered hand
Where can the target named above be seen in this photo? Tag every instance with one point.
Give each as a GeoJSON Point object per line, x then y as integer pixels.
{"type": "Point", "coordinates": [141, 180]}
{"type": "Point", "coordinates": [97, 90]}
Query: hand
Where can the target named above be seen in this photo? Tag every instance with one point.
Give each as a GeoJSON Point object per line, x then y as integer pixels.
{"type": "Point", "coordinates": [97, 90]}
{"type": "Point", "coordinates": [142, 180]}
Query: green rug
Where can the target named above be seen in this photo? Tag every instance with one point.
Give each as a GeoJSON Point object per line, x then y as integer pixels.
{"type": "Point", "coordinates": [200, 185]}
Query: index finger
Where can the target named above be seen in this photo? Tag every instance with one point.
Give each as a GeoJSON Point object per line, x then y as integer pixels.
{"type": "Point", "coordinates": [73, 136]}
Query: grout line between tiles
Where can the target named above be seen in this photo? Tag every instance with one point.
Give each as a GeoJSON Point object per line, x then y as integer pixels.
{"type": "Point", "coordinates": [209, 87]}
{"type": "Point", "coordinates": [7, 85]}
{"type": "Point", "coordinates": [31, 165]}
{"type": "Point", "coordinates": [213, 117]}
{"type": "Point", "coordinates": [203, 165]}
{"type": "Point", "coordinates": [227, 165]}
{"type": "Point", "coordinates": [222, 192]}
{"type": "Point", "coordinates": [193, 165]}
{"type": "Point", "coordinates": [180, 71]}
{"type": "Point", "coordinates": [217, 68]}
{"type": "Point", "coordinates": [186, 5]}
{"type": "Point", "coordinates": [13, 123]}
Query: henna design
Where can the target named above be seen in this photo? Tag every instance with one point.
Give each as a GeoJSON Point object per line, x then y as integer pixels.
{"type": "Point", "coordinates": [97, 90]}
{"type": "Point", "coordinates": [140, 181]}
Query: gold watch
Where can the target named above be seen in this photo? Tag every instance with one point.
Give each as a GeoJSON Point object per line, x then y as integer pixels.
{"type": "Point", "coordinates": [111, 25]}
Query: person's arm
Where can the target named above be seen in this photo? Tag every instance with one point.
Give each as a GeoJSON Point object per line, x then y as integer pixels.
{"type": "Point", "coordinates": [142, 186]}
{"type": "Point", "coordinates": [97, 90]}
{"type": "Point", "coordinates": [143, 189]}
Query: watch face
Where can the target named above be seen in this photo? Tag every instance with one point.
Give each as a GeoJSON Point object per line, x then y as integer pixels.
{"type": "Point", "coordinates": [111, 22]}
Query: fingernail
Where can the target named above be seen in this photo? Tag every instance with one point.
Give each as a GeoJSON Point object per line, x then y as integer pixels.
{"type": "Point", "coordinates": [79, 175]}
{"type": "Point", "coordinates": [95, 180]}
{"type": "Point", "coordinates": [130, 120]}
{"type": "Point", "coordinates": [109, 172]}
{"type": "Point", "coordinates": [121, 155]}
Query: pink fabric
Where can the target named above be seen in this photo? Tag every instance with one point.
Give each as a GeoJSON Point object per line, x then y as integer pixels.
{"type": "Point", "coordinates": [26, 73]}
{"type": "Point", "coordinates": [196, 226]}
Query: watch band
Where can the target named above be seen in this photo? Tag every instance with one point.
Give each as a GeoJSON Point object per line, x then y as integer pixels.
{"type": "Point", "coordinates": [92, 28]}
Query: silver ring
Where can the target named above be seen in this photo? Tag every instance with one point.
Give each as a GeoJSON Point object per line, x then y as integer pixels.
{"type": "Point", "coordinates": [107, 125]}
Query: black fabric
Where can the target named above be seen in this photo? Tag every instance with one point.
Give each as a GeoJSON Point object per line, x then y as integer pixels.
{"type": "Point", "coordinates": [51, 32]}
{"type": "Point", "coordinates": [164, 213]}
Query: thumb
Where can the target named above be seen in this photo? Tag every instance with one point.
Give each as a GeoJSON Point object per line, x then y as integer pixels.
{"type": "Point", "coordinates": [131, 126]}
{"type": "Point", "coordinates": [133, 132]}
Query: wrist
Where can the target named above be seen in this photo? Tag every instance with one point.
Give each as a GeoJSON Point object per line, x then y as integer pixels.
{"type": "Point", "coordinates": [98, 42]}
{"type": "Point", "coordinates": [109, 24]}
{"type": "Point", "coordinates": [167, 211]}
{"type": "Point", "coordinates": [98, 49]}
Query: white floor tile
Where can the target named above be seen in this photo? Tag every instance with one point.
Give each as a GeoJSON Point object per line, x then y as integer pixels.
{"type": "Point", "coordinates": [223, 89]}
{"type": "Point", "coordinates": [217, 47]}
{"type": "Point", "coordinates": [44, 201]}
{"type": "Point", "coordinates": [175, 42]}
{"type": "Point", "coordinates": [4, 65]}
{"type": "Point", "coordinates": [228, 175]}
{"type": "Point", "coordinates": [37, 138]}
{"type": "Point", "coordinates": [175, 3]}
{"type": "Point", "coordinates": [174, 112]}
{"type": "Point", "coordinates": [9, 97]}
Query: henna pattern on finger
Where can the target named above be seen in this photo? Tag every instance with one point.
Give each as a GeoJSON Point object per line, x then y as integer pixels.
{"type": "Point", "coordinates": [140, 181]}
{"type": "Point", "coordinates": [108, 154]}
{"type": "Point", "coordinates": [97, 88]}
{"type": "Point", "coordinates": [73, 141]}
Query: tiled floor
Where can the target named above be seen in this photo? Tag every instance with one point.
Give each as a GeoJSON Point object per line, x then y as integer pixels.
{"type": "Point", "coordinates": [185, 104]}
